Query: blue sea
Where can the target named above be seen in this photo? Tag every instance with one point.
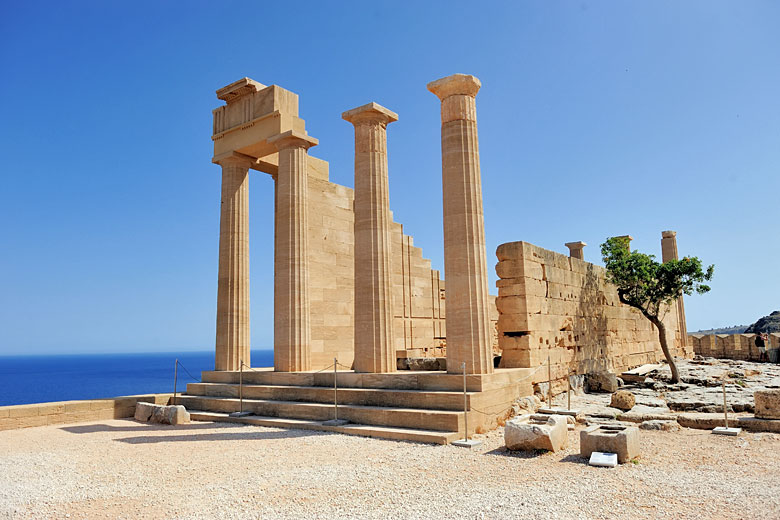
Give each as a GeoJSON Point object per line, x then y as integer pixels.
{"type": "Point", "coordinates": [41, 379]}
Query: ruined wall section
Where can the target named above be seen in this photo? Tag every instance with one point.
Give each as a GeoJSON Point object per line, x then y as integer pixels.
{"type": "Point", "coordinates": [730, 346]}
{"type": "Point", "coordinates": [552, 305]}
{"type": "Point", "coordinates": [418, 290]}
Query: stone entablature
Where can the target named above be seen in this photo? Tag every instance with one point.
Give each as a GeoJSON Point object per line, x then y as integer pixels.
{"type": "Point", "coordinates": [550, 304]}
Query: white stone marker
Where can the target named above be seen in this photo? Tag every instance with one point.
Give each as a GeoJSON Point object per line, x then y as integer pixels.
{"type": "Point", "coordinates": [605, 460]}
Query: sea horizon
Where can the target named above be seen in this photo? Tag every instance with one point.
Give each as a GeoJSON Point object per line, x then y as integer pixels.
{"type": "Point", "coordinates": [43, 378]}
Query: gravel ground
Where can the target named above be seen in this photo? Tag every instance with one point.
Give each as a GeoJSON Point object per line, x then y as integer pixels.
{"type": "Point", "coordinates": [124, 469]}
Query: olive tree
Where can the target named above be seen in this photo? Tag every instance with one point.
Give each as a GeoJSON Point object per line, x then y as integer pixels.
{"type": "Point", "coordinates": [651, 286]}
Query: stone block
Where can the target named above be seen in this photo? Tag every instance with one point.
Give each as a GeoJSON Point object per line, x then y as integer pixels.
{"type": "Point", "coordinates": [601, 382]}
{"type": "Point", "coordinates": [148, 412]}
{"type": "Point", "coordinates": [536, 432]}
{"type": "Point", "coordinates": [622, 440]}
{"type": "Point", "coordinates": [767, 403]}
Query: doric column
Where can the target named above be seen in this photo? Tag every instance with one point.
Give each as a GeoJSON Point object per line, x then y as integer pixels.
{"type": "Point", "coordinates": [669, 252]}
{"type": "Point", "coordinates": [233, 283]}
{"type": "Point", "coordinates": [374, 345]}
{"type": "Point", "coordinates": [292, 329]}
{"type": "Point", "coordinates": [465, 259]}
{"type": "Point", "coordinates": [575, 249]}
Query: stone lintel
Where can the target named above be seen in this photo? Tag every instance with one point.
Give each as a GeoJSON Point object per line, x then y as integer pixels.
{"type": "Point", "coordinates": [293, 138]}
{"type": "Point", "coordinates": [668, 234]}
{"type": "Point", "coordinates": [456, 84]}
{"type": "Point", "coordinates": [370, 112]}
{"type": "Point", "coordinates": [222, 158]}
{"type": "Point", "coordinates": [238, 89]}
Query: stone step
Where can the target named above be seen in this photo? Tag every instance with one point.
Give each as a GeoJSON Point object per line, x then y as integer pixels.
{"type": "Point", "coordinates": [431, 400]}
{"type": "Point", "coordinates": [438, 420]}
{"type": "Point", "coordinates": [403, 380]}
{"type": "Point", "coordinates": [364, 430]}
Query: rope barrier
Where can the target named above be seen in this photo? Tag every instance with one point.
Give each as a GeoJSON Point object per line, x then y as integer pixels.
{"type": "Point", "coordinates": [187, 371]}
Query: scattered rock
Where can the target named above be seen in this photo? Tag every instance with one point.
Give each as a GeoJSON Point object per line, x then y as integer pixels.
{"type": "Point", "coordinates": [666, 426]}
{"type": "Point", "coordinates": [421, 364]}
{"type": "Point", "coordinates": [526, 405]}
{"type": "Point", "coordinates": [623, 400]}
{"type": "Point", "coordinates": [536, 432]}
{"type": "Point", "coordinates": [601, 382]}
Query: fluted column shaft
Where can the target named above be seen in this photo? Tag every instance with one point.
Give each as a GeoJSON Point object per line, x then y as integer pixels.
{"type": "Point", "coordinates": [233, 283]}
{"type": "Point", "coordinates": [292, 328]}
{"type": "Point", "coordinates": [465, 259]}
{"type": "Point", "coordinates": [669, 252]}
{"type": "Point", "coordinates": [374, 339]}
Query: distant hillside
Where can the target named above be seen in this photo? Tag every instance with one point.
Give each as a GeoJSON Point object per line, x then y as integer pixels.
{"type": "Point", "coordinates": [736, 329]}
{"type": "Point", "coordinates": [766, 324]}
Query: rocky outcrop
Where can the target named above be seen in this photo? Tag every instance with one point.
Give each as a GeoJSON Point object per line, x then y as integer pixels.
{"type": "Point", "coordinates": [766, 324]}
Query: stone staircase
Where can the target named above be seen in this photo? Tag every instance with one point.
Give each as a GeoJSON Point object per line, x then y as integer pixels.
{"type": "Point", "coordinates": [414, 406]}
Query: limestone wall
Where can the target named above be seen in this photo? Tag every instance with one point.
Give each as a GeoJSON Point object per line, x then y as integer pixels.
{"type": "Point", "coordinates": [68, 412]}
{"type": "Point", "coordinates": [552, 305]}
{"type": "Point", "coordinates": [730, 346]}
{"type": "Point", "coordinates": [418, 290]}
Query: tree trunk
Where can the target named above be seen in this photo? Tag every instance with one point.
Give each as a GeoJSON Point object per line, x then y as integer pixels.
{"type": "Point", "coordinates": [665, 347]}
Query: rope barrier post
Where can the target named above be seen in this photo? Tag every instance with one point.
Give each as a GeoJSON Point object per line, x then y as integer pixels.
{"type": "Point", "coordinates": [725, 430]}
{"type": "Point", "coordinates": [568, 392]}
{"type": "Point", "coordinates": [466, 442]}
{"type": "Point", "coordinates": [549, 384]}
{"type": "Point", "coordinates": [175, 379]}
{"type": "Point", "coordinates": [240, 412]}
{"type": "Point", "coordinates": [335, 421]}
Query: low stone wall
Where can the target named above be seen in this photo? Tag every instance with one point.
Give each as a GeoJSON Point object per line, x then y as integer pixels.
{"type": "Point", "coordinates": [553, 305]}
{"type": "Point", "coordinates": [730, 346]}
{"type": "Point", "coordinates": [66, 412]}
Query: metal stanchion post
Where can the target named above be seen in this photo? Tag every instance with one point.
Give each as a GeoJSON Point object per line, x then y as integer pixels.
{"type": "Point", "coordinates": [549, 384]}
{"type": "Point", "coordinates": [725, 430]}
{"type": "Point", "coordinates": [175, 379]}
{"type": "Point", "coordinates": [335, 421]}
{"type": "Point", "coordinates": [568, 392]}
{"type": "Point", "coordinates": [466, 442]}
{"type": "Point", "coordinates": [240, 412]}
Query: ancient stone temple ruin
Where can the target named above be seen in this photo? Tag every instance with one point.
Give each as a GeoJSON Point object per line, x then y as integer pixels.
{"type": "Point", "coordinates": [352, 290]}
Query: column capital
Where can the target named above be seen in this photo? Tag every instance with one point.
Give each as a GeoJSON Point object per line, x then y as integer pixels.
{"type": "Point", "coordinates": [575, 249]}
{"type": "Point", "coordinates": [668, 234]}
{"type": "Point", "coordinates": [234, 159]}
{"type": "Point", "coordinates": [371, 113]}
{"type": "Point", "coordinates": [293, 139]}
{"type": "Point", "coordinates": [454, 85]}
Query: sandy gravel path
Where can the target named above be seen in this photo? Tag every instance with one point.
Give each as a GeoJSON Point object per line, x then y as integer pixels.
{"type": "Point", "coordinates": [123, 469]}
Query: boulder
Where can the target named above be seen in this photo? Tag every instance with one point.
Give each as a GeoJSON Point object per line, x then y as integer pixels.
{"type": "Point", "coordinates": [156, 413]}
{"type": "Point", "coordinates": [601, 382]}
{"type": "Point", "coordinates": [536, 432]}
{"type": "Point", "coordinates": [767, 403]}
{"type": "Point", "coordinates": [623, 400]}
{"type": "Point", "coordinates": [526, 405]}
{"type": "Point", "coordinates": [666, 426]}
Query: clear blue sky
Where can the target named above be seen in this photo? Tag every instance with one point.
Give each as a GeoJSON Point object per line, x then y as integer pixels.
{"type": "Point", "coordinates": [595, 119]}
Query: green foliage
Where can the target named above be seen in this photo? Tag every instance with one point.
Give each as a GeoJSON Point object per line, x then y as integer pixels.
{"type": "Point", "coordinates": [648, 285]}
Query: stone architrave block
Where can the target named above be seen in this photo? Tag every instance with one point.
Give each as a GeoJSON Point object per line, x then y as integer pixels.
{"type": "Point", "coordinates": [623, 440]}
{"type": "Point", "coordinates": [144, 411]}
{"type": "Point", "coordinates": [536, 432]}
{"type": "Point", "coordinates": [767, 403]}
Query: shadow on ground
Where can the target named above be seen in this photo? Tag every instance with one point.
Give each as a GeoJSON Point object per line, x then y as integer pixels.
{"type": "Point", "coordinates": [226, 436]}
